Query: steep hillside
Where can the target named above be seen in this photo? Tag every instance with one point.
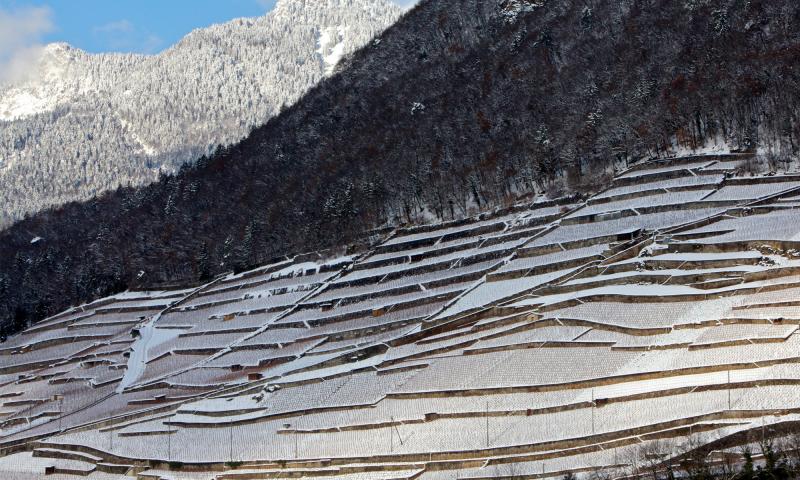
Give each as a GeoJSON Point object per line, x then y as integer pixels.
{"type": "Point", "coordinates": [461, 105]}
{"type": "Point", "coordinates": [88, 123]}
{"type": "Point", "coordinates": [650, 331]}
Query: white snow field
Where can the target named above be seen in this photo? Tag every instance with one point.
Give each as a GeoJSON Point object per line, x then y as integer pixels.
{"type": "Point", "coordinates": [544, 339]}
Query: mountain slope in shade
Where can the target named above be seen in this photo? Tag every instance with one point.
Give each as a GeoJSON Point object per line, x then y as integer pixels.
{"type": "Point", "coordinates": [89, 122]}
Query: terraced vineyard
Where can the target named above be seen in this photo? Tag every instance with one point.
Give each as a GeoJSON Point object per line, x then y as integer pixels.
{"type": "Point", "coordinates": [613, 335]}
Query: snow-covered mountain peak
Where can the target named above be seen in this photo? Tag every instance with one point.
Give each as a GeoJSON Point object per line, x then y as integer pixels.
{"type": "Point", "coordinates": [55, 77]}
{"type": "Point", "coordinates": [61, 48]}
{"type": "Point", "coordinates": [83, 123]}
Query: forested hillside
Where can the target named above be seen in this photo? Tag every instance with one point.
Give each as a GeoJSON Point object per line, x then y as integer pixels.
{"type": "Point", "coordinates": [462, 105]}
{"type": "Point", "coordinates": [86, 123]}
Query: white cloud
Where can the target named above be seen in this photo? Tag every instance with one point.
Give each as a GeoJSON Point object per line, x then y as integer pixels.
{"type": "Point", "coordinates": [124, 36]}
{"type": "Point", "coordinates": [21, 34]}
{"type": "Point", "coordinates": [120, 26]}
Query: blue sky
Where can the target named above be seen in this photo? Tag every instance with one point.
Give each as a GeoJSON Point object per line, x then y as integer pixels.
{"type": "Point", "coordinates": [141, 26]}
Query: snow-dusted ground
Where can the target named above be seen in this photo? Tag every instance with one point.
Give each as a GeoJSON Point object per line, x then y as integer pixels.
{"type": "Point", "coordinates": [509, 335]}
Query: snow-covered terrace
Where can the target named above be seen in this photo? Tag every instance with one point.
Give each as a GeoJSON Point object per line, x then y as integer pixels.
{"type": "Point", "coordinates": [537, 341]}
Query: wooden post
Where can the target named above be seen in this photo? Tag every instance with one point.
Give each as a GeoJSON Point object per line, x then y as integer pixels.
{"type": "Point", "coordinates": [592, 410]}
{"type": "Point", "coordinates": [60, 399]}
{"type": "Point", "coordinates": [487, 424]}
{"type": "Point", "coordinates": [729, 389]}
{"type": "Point", "coordinates": [396, 429]}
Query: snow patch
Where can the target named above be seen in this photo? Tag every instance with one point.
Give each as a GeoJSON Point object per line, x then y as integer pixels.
{"type": "Point", "coordinates": [715, 146]}
{"type": "Point", "coordinates": [146, 148]}
{"type": "Point", "coordinates": [149, 336]}
{"type": "Point", "coordinates": [331, 46]}
{"type": "Point", "coordinates": [514, 8]}
{"type": "Point", "coordinates": [303, 268]}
